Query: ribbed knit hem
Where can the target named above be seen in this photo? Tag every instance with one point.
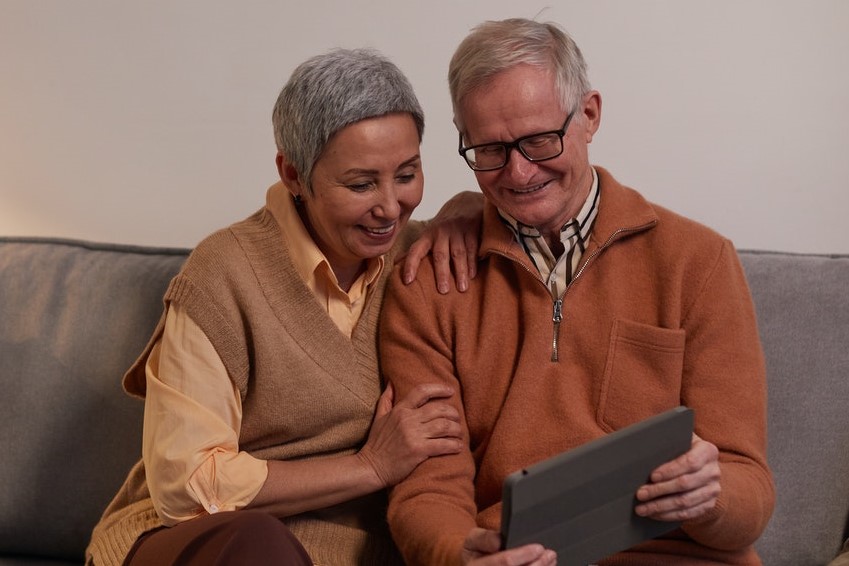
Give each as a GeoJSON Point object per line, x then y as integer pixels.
{"type": "Point", "coordinates": [332, 544]}
{"type": "Point", "coordinates": [111, 542]}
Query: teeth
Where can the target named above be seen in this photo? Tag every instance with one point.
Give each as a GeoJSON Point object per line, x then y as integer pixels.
{"type": "Point", "coordinates": [529, 189]}
{"type": "Point", "coordinates": [384, 230]}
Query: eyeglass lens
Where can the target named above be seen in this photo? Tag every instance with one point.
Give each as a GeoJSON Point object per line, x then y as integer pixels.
{"type": "Point", "coordinates": [536, 148]}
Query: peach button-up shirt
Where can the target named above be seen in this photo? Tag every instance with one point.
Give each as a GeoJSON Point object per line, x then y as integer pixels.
{"type": "Point", "coordinates": [193, 411]}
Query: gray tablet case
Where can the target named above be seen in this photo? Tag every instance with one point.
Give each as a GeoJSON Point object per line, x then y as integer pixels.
{"type": "Point", "coordinates": [581, 503]}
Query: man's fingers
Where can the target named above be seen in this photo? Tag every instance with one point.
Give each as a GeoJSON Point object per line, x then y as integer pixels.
{"type": "Point", "coordinates": [472, 254]}
{"type": "Point", "coordinates": [442, 266]}
{"type": "Point", "coordinates": [700, 455]}
{"type": "Point", "coordinates": [460, 262]}
{"type": "Point", "coordinates": [681, 506]}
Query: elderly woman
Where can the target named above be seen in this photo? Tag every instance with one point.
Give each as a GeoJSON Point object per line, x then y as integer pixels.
{"type": "Point", "coordinates": [266, 437]}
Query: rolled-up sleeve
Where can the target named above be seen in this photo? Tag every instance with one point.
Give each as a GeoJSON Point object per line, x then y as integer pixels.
{"type": "Point", "coordinates": [192, 420]}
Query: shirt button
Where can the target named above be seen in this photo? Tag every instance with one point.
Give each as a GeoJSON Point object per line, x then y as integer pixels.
{"type": "Point", "coordinates": [213, 508]}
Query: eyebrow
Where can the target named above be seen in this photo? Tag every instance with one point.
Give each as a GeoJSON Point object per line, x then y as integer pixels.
{"type": "Point", "coordinates": [411, 161]}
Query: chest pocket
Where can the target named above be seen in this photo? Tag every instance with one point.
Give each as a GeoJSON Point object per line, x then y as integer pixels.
{"type": "Point", "coordinates": [642, 375]}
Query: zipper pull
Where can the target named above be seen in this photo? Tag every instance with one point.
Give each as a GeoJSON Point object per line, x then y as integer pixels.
{"type": "Point", "coordinates": [556, 317]}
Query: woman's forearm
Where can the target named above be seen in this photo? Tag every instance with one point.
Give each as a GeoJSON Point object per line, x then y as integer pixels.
{"type": "Point", "coordinates": [294, 487]}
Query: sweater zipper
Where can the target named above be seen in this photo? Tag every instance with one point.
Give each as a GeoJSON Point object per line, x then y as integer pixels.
{"type": "Point", "coordinates": [557, 311]}
{"type": "Point", "coordinates": [556, 318]}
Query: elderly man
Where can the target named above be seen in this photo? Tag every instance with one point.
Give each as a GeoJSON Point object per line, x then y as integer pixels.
{"type": "Point", "coordinates": [592, 309]}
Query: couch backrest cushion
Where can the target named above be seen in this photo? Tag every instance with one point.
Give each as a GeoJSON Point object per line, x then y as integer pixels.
{"type": "Point", "coordinates": [802, 304]}
{"type": "Point", "coordinates": [73, 317]}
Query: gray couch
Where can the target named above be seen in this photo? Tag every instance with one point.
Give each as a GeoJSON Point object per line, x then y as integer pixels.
{"type": "Point", "coordinates": [74, 315]}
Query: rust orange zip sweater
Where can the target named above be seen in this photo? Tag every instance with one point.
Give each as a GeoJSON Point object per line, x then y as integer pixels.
{"type": "Point", "coordinates": [658, 315]}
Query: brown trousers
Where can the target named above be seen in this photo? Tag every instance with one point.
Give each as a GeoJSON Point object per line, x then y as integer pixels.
{"type": "Point", "coordinates": [236, 538]}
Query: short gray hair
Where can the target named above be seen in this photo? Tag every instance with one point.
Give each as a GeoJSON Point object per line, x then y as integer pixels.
{"type": "Point", "coordinates": [331, 91]}
{"type": "Point", "coordinates": [495, 46]}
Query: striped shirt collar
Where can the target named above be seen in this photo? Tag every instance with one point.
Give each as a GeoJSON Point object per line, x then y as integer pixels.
{"type": "Point", "coordinates": [557, 273]}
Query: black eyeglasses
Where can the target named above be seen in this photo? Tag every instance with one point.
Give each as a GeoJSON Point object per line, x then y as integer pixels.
{"type": "Point", "coordinates": [535, 147]}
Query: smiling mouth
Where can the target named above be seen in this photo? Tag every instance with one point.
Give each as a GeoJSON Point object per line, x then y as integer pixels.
{"type": "Point", "coordinates": [529, 190]}
{"type": "Point", "coordinates": [380, 231]}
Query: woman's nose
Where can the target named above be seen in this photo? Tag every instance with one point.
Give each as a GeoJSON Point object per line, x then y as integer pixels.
{"type": "Point", "coordinates": [387, 204]}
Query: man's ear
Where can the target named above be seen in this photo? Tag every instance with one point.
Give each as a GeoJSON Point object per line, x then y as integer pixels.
{"type": "Point", "coordinates": [289, 176]}
{"type": "Point", "coordinates": [591, 109]}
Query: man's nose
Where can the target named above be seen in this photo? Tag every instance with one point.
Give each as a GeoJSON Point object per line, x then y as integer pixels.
{"type": "Point", "coordinates": [518, 166]}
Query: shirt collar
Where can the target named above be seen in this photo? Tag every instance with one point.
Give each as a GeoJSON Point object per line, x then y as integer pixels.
{"type": "Point", "coordinates": [308, 259]}
{"type": "Point", "coordinates": [582, 223]}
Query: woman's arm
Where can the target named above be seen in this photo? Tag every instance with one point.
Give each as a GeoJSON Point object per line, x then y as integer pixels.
{"type": "Point", "coordinates": [192, 422]}
{"type": "Point", "coordinates": [402, 436]}
{"type": "Point", "coordinates": [192, 419]}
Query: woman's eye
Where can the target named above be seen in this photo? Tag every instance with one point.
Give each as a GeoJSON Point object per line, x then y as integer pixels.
{"type": "Point", "coordinates": [406, 178]}
{"type": "Point", "coordinates": [359, 187]}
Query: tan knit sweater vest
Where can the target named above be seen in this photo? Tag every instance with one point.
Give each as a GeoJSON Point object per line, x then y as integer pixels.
{"type": "Point", "coordinates": [306, 388]}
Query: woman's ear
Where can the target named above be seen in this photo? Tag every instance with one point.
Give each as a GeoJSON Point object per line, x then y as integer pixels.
{"type": "Point", "coordinates": [289, 176]}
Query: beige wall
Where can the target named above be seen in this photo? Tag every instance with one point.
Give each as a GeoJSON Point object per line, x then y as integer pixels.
{"type": "Point", "coordinates": [148, 122]}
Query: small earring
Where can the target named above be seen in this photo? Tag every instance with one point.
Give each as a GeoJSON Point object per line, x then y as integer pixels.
{"type": "Point", "coordinates": [299, 200]}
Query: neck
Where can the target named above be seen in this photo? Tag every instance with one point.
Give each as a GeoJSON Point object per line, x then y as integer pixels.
{"type": "Point", "coordinates": [347, 275]}
{"type": "Point", "coordinates": [346, 272]}
{"type": "Point", "coordinates": [555, 244]}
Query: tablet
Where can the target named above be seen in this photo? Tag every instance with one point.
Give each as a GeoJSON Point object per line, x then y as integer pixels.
{"type": "Point", "coordinates": [581, 503]}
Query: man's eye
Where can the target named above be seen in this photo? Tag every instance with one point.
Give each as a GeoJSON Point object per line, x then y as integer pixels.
{"type": "Point", "coordinates": [488, 150]}
{"type": "Point", "coordinates": [539, 141]}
